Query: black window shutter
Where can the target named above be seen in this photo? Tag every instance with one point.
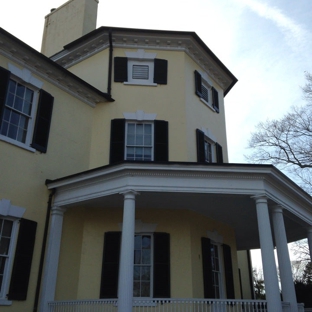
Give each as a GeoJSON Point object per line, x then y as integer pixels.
{"type": "Point", "coordinates": [110, 265]}
{"type": "Point", "coordinates": [4, 82]}
{"type": "Point", "coordinates": [198, 84]}
{"type": "Point", "coordinates": [43, 121]}
{"type": "Point", "coordinates": [160, 71]}
{"type": "Point", "coordinates": [200, 142]}
{"type": "Point", "coordinates": [120, 69]}
{"type": "Point", "coordinates": [117, 141]}
{"type": "Point", "coordinates": [22, 261]}
{"type": "Point", "coordinates": [215, 99]}
{"type": "Point", "coordinates": [161, 265]}
{"type": "Point", "coordinates": [207, 268]}
{"type": "Point", "coordinates": [229, 280]}
{"type": "Point", "coordinates": [161, 148]}
{"type": "Point", "coordinates": [219, 153]}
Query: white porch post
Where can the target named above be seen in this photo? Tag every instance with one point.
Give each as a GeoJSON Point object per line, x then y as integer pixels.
{"type": "Point", "coordinates": [52, 258]}
{"type": "Point", "coordinates": [267, 253]}
{"type": "Point", "coordinates": [125, 283]}
{"type": "Point", "coordinates": [288, 288]}
{"type": "Point", "coordinates": [310, 242]}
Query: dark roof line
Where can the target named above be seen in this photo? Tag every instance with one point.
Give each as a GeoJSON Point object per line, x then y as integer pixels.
{"type": "Point", "coordinates": [57, 66]}
{"type": "Point", "coordinates": [154, 31]}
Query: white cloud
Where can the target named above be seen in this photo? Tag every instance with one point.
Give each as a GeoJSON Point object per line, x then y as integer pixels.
{"type": "Point", "coordinates": [296, 36]}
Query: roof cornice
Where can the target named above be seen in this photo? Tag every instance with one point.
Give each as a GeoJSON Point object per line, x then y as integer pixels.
{"type": "Point", "coordinates": [187, 42]}
{"type": "Point", "coordinates": [19, 52]}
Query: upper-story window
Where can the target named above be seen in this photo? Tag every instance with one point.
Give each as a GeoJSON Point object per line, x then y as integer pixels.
{"type": "Point", "coordinates": [139, 141]}
{"type": "Point", "coordinates": [140, 68]}
{"type": "Point", "coordinates": [139, 136]}
{"type": "Point", "coordinates": [206, 92]}
{"type": "Point", "coordinates": [208, 150]}
{"type": "Point", "coordinates": [25, 109]}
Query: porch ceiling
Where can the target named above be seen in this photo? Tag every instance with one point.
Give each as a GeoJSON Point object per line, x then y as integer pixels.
{"type": "Point", "coordinates": [223, 193]}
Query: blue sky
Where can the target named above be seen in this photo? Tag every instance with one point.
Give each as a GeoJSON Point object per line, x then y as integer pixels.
{"type": "Point", "coordinates": [266, 44]}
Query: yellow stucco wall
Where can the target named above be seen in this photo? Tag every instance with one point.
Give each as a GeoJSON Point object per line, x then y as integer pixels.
{"type": "Point", "coordinates": [174, 102]}
{"type": "Point", "coordinates": [80, 263]}
{"type": "Point", "coordinates": [25, 172]}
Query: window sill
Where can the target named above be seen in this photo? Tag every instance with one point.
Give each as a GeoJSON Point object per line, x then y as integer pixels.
{"type": "Point", "coordinates": [134, 83]}
{"type": "Point", "coordinates": [16, 143]}
{"type": "Point", "coordinates": [5, 302]}
{"type": "Point", "coordinates": [207, 104]}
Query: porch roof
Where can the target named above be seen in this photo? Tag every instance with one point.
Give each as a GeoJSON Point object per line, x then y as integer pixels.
{"type": "Point", "coordinates": [221, 192]}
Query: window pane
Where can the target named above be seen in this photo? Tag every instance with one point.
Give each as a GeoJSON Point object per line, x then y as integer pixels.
{"type": "Point", "coordinates": [12, 86]}
{"type": "Point", "coordinates": [14, 118]}
{"type": "Point", "coordinates": [130, 153]}
{"type": "Point", "coordinates": [130, 139]}
{"type": "Point", "coordinates": [10, 100]}
{"type": "Point", "coordinates": [20, 90]}
{"type": "Point", "coordinates": [137, 256]}
{"type": "Point", "coordinates": [147, 139]}
{"type": "Point", "coordinates": [136, 289]}
{"type": "Point", "coordinates": [18, 103]}
{"type": "Point", "coordinates": [7, 228]}
{"type": "Point", "coordinates": [136, 273]}
{"type": "Point", "coordinates": [139, 153]}
{"type": "Point", "coordinates": [147, 128]}
{"type": "Point", "coordinates": [4, 245]}
{"type": "Point", "coordinates": [139, 139]}
{"type": "Point", "coordinates": [139, 129]}
{"type": "Point", "coordinates": [131, 128]}
{"type": "Point", "coordinates": [146, 273]}
{"type": "Point", "coordinates": [146, 256]}
{"type": "Point", "coordinates": [137, 242]}
{"type": "Point", "coordinates": [12, 132]}
{"type": "Point", "coordinates": [145, 289]}
{"type": "Point", "coordinates": [4, 128]}
{"type": "Point", "coordinates": [146, 242]}
{"type": "Point", "coordinates": [7, 114]}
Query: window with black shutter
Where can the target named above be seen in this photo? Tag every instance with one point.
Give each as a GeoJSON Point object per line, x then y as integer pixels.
{"type": "Point", "coordinates": [140, 71]}
{"type": "Point", "coordinates": [208, 151]}
{"type": "Point", "coordinates": [24, 110]}
{"type": "Point", "coordinates": [160, 262]}
{"type": "Point", "coordinates": [22, 261]}
{"type": "Point", "coordinates": [207, 93]}
{"type": "Point", "coordinates": [140, 141]}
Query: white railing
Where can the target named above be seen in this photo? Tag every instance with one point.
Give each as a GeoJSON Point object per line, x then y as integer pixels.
{"type": "Point", "coordinates": [161, 305]}
{"type": "Point", "coordinates": [166, 305]}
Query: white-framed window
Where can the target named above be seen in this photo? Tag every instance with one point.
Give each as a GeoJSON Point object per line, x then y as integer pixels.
{"type": "Point", "coordinates": [19, 112]}
{"type": "Point", "coordinates": [143, 266]}
{"type": "Point", "coordinates": [206, 92]}
{"type": "Point", "coordinates": [25, 109]}
{"type": "Point", "coordinates": [216, 270]}
{"type": "Point", "coordinates": [141, 72]}
{"type": "Point", "coordinates": [8, 232]}
{"type": "Point", "coordinates": [139, 141]}
{"type": "Point", "coordinates": [210, 150]}
{"type": "Point", "coordinates": [140, 68]}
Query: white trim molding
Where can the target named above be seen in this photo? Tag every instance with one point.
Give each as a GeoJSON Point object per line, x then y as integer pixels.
{"type": "Point", "coordinates": [140, 115]}
{"type": "Point", "coordinates": [8, 210]}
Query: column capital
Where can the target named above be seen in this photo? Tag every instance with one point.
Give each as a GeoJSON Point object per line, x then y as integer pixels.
{"type": "Point", "coordinates": [278, 208]}
{"type": "Point", "coordinates": [260, 198]}
{"type": "Point", "coordinates": [129, 194]}
{"type": "Point", "coordinates": [56, 210]}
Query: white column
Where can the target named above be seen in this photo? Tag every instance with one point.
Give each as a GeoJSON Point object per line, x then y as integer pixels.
{"type": "Point", "coordinates": [52, 258]}
{"type": "Point", "coordinates": [288, 288]}
{"type": "Point", "coordinates": [125, 283]}
{"type": "Point", "coordinates": [310, 242]}
{"type": "Point", "coordinates": [267, 253]}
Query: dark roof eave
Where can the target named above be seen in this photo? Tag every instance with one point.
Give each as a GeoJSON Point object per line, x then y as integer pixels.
{"type": "Point", "coordinates": [153, 31]}
{"type": "Point", "coordinates": [39, 55]}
